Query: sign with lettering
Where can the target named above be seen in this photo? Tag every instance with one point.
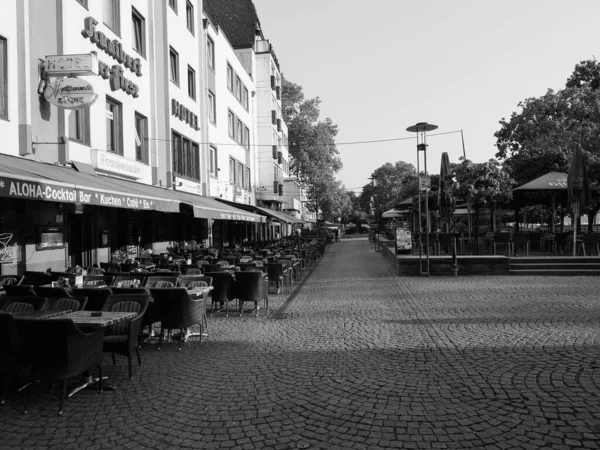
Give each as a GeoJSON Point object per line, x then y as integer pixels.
{"type": "Point", "coordinates": [184, 114]}
{"type": "Point", "coordinates": [70, 93]}
{"type": "Point", "coordinates": [55, 192]}
{"type": "Point", "coordinates": [111, 162]}
{"type": "Point", "coordinates": [183, 184]}
{"type": "Point", "coordinates": [403, 239]}
{"type": "Point", "coordinates": [65, 65]}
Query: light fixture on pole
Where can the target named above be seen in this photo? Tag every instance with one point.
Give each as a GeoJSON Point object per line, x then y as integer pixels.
{"type": "Point", "coordinates": [421, 129]}
{"type": "Point", "coordinates": [376, 233]}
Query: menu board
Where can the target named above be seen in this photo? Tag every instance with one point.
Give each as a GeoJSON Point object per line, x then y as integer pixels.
{"type": "Point", "coordinates": [403, 239]}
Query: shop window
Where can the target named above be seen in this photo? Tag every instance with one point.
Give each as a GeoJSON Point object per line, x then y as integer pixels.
{"type": "Point", "coordinates": [114, 126]}
{"type": "Point", "coordinates": [79, 125]}
{"type": "Point", "coordinates": [139, 32]}
{"type": "Point", "coordinates": [111, 15]}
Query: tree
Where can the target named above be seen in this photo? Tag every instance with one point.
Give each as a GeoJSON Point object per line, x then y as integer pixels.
{"type": "Point", "coordinates": [314, 158]}
{"type": "Point", "coordinates": [541, 137]}
{"type": "Point", "coordinates": [483, 185]}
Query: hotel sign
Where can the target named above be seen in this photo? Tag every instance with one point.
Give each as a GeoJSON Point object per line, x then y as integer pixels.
{"type": "Point", "coordinates": [70, 93]}
{"type": "Point", "coordinates": [63, 65]}
{"type": "Point", "coordinates": [182, 184]}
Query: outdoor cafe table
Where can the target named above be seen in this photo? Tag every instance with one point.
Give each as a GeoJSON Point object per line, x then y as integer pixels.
{"type": "Point", "coordinates": [29, 315]}
{"type": "Point", "coordinates": [85, 319]}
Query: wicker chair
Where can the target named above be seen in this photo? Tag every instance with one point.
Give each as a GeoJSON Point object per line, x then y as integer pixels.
{"type": "Point", "coordinates": [63, 353]}
{"type": "Point", "coordinates": [212, 268]}
{"type": "Point", "coordinates": [589, 244]}
{"type": "Point", "coordinates": [22, 303]}
{"type": "Point", "coordinates": [152, 282]}
{"type": "Point", "coordinates": [520, 241]}
{"type": "Point", "coordinates": [66, 304]}
{"type": "Point", "coordinates": [12, 358]}
{"type": "Point", "coordinates": [5, 280]}
{"type": "Point", "coordinates": [95, 297]}
{"type": "Point", "coordinates": [277, 275]}
{"type": "Point", "coordinates": [52, 292]}
{"type": "Point", "coordinates": [223, 289]}
{"type": "Point", "coordinates": [96, 283]}
{"type": "Point", "coordinates": [123, 337]}
{"type": "Point", "coordinates": [177, 310]}
{"type": "Point", "coordinates": [192, 271]}
{"type": "Point", "coordinates": [252, 287]}
{"type": "Point", "coordinates": [187, 280]}
{"type": "Point", "coordinates": [19, 290]}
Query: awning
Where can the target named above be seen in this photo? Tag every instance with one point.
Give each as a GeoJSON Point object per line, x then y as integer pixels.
{"type": "Point", "coordinates": [209, 208]}
{"type": "Point", "coordinates": [33, 180]}
{"type": "Point", "coordinates": [264, 212]}
{"type": "Point", "coordinates": [392, 213]}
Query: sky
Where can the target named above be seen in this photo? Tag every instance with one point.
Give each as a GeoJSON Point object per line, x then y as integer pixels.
{"type": "Point", "coordinates": [380, 66]}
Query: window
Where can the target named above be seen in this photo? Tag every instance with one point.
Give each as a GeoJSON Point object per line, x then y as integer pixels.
{"type": "Point", "coordinates": [111, 15]}
{"type": "Point", "coordinates": [191, 83]}
{"type": "Point", "coordinates": [229, 78]}
{"type": "Point", "coordinates": [238, 89]}
{"type": "Point", "coordinates": [189, 16]}
{"type": "Point", "coordinates": [186, 157]}
{"type": "Point", "coordinates": [247, 179]}
{"type": "Point", "coordinates": [174, 59]}
{"type": "Point", "coordinates": [83, 3]}
{"type": "Point", "coordinates": [231, 124]}
{"type": "Point", "coordinates": [3, 78]}
{"type": "Point", "coordinates": [212, 108]}
{"type": "Point", "coordinates": [79, 125]}
{"type": "Point", "coordinates": [231, 171]}
{"type": "Point", "coordinates": [173, 5]}
{"type": "Point", "coordinates": [240, 174]}
{"type": "Point", "coordinates": [238, 131]}
{"type": "Point", "coordinates": [213, 166]}
{"type": "Point", "coordinates": [246, 140]}
{"type": "Point", "coordinates": [139, 32]}
{"type": "Point", "coordinates": [210, 53]}
{"type": "Point", "coordinates": [114, 126]}
{"type": "Point", "coordinates": [245, 98]}
{"type": "Point", "coordinates": [141, 138]}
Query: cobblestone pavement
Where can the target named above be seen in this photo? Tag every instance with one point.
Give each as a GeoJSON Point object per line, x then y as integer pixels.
{"type": "Point", "coordinates": [360, 359]}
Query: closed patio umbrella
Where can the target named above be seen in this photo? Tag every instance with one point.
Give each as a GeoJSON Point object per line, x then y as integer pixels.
{"type": "Point", "coordinates": [578, 189]}
{"type": "Point", "coordinates": [445, 200]}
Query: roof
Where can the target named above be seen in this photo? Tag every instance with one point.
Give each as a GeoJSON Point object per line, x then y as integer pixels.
{"type": "Point", "coordinates": [237, 18]}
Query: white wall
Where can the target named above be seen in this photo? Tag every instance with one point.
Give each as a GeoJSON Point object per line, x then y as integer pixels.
{"type": "Point", "coordinates": [9, 128]}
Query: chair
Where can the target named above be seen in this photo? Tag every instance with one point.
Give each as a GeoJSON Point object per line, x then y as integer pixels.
{"type": "Point", "coordinates": [96, 271]}
{"type": "Point", "coordinates": [110, 267]}
{"type": "Point", "coordinates": [277, 274]}
{"type": "Point", "coordinates": [252, 287]}
{"type": "Point", "coordinates": [502, 242]}
{"type": "Point", "coordinates": [19, 290]}
{"type": "Point", "coordinates": [589, 244]}
{"type": "Point", "coordinates": [96, 283]}
{"type": "Point", "coordinates": [547, 243]}
{"type": "Point", "coordinates": [223, 289]}
{"type": "Point", "coordinates": [11, 354]}
{"type": "Point", "coordinates": [130, 266]}
{"type": "Point", "coordinates": [5, 280]}
{"type": "Point", "coordinates": [66, 304]}
{"type": "Point", "coordinates": [22, 303]}
{"type": "Point", "coordinates": [96, 297]}
{"type": "Point", "coordinates": [288, 270]}
{"type": "Point", "coordinates": [127, 290]}
{"type": "Point", "coordinates": [213, 268]}
{"type": "Point", "coordinates": [520, 241]}
{"type": "Point", "coordinates": [123, 337]}
{"type": "Point", "coordinates": [152, 282]}
{"type": "Point", "coordinates": [63, 353]}
{"type": "Point", "coordinates": [106, 278]}
{"type": "Point", "coordinates": [188, 280]}
{"type": "Point", "coordinates": [245, 266]}
{"type": "Point", "coordinates": [562, 243]}
{"type": "Point", "coordinates": [192, 271]}
{"type": "Point", "coordinates": [52, 292]}
{"type": "Point", "coordinates": [177, 310]}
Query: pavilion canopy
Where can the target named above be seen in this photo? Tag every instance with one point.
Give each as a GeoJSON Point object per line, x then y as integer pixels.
{"type": "Point", "coordinates": [542, 190]}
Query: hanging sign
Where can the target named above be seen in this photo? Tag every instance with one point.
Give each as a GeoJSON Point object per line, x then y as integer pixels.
{"type": "Point", "coordinates": [65, 65]}
{"type": "Point", "coordinates": [70, 93]}
{"type": "Point", "coordinates": [425, 182]}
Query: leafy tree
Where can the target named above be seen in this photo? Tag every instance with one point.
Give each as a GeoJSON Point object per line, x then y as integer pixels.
{"type": "Point", "coordinates": [483, 185]}
{"type": "Point", "coordinates": [541, 137]}
{"type": "Point", "coordinates": [314, 158]}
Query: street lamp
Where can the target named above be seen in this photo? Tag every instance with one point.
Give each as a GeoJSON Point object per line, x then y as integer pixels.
{"type": "Point", "coordinates": [374, 181]}
{"type": "Point", "coordinates": [421, 129]}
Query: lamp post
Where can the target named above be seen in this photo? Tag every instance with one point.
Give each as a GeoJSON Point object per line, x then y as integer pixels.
{"type": "Point", "coordinates": [421, 129]}
{"type": "Point", "coordinates": [374, 181]}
